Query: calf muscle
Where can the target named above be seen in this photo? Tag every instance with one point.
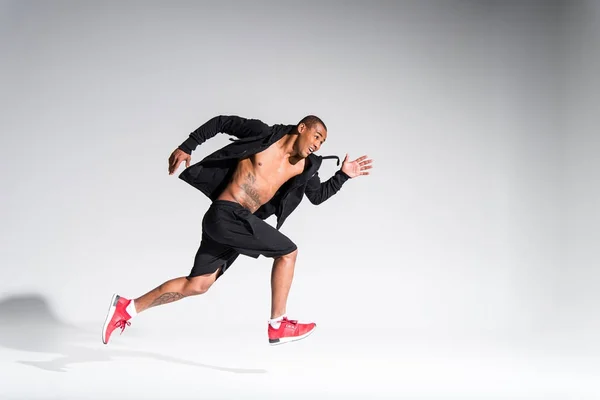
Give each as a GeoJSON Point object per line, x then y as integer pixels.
{"type": "Point", "coordinates": [166, 298]}
{"type": "Point", "coordinates": [174, 290]}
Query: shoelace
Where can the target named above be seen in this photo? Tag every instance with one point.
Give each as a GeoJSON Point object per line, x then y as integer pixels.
{"type": "Point", "coordinates": [122, 324]}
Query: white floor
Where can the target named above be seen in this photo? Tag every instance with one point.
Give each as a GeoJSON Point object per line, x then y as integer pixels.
{"type": "Point", "coordinates": [42, 358]}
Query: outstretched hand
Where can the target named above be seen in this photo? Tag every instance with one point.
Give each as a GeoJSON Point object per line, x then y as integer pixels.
{"type": "Point", "coordinates": [176, 158]}
{"type": "Point", "coordinates": [360, 166]}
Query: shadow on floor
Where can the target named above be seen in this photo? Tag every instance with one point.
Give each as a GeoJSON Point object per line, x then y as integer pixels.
{"type": "Point", "coordinates": [28, 324]}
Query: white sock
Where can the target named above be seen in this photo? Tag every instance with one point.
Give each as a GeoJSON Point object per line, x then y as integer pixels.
{"type": "Point", "coordinates": [276, 322]}
{"type": "Point", "coordinates": [131, 309]}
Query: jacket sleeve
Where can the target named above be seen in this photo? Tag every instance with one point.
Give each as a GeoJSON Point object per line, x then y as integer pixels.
{"type": "Point", "coordinates": [230, 124]}
{"type": "Point", "coordinates": [317, 191]}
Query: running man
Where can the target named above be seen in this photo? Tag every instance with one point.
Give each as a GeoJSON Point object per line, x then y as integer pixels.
{"type": "Point", "coordinates": [265, 172]}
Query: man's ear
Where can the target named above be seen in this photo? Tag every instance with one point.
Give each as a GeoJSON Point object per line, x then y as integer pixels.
{"type": "Point", "coordinates": [301, 127]}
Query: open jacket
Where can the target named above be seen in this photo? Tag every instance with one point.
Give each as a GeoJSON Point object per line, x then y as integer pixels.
{"type": "Point", "coordinates": [213, 173]}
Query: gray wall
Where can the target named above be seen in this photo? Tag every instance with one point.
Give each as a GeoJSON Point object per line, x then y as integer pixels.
{"type": "Point", "coordinates": [477, 219]}
{"type": "Point", "coordinates": [580, 275]}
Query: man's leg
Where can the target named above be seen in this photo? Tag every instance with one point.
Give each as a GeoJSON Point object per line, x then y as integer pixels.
{"type": "Point", "coordinates": [211, 261]}
{"type": "Point", "coordinates": [121, 310]}
{"type": "Point", "coordinates": [197, 282]}
{"type": "Point", "coordinates": [281, 329]}
{"type": "Point", "coordinates": [282, 275]}
{"type": "Point", "coordinates": [256, 237]}
{"type": "Point", "coordinates": [176, 289]}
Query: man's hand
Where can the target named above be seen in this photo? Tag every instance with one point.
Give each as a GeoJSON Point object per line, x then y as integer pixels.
{"type": "Point", "coordinates": [176, 158]}
{"type": "Point", "coordinates": [360, 166]}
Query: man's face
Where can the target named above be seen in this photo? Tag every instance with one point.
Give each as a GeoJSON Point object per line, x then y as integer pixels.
{"type": "Point", "coordinates": [310, 138]}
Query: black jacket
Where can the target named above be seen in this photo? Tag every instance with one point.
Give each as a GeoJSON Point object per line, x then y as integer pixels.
{"type": "Point", "coordinates": [213, 173]}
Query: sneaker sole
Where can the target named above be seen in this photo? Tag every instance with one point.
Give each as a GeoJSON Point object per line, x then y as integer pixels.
{"type": "Point", "coordinates": [109, 315]}
{"type": "Point", "coordinates": [275, 342]}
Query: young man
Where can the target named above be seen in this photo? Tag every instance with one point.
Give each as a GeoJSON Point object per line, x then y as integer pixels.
{"type": "Point", "coordinates": [266, 171]}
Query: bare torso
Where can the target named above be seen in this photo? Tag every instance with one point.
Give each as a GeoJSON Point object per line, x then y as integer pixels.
{"type": "Point", "coordinates": [257, 178]}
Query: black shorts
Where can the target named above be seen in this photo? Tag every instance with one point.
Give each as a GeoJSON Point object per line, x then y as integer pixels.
{"type": "Point", "coordinates": [228, 230]}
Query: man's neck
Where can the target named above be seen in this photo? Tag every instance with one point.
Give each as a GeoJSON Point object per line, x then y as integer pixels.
{"type": "Point", "coordinates": [287, 144]}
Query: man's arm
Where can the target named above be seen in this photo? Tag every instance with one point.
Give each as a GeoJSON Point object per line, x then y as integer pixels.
{"type": "Point", "coordinates": [230, 124]}
{"type": "Point", "coordinates": [318, 192]}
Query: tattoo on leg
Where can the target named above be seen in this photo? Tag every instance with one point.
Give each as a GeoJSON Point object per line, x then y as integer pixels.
{"type": "Point", "coordinates": [166, 298]}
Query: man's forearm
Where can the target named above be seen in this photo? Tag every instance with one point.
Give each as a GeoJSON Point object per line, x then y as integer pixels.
{"type": "Point", "coordinates": [317, 192]}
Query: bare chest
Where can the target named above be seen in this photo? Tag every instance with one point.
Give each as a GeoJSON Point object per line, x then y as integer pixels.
{"type": "Point", "coordinates": [274, 167]}
{"type": "Point", "coordinates": [257, 178]}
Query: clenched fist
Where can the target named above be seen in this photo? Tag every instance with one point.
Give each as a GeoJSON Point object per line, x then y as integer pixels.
{"type": "Point", "coordinates": [176, 158]}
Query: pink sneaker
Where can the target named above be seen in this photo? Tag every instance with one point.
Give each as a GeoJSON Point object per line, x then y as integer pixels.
{"type": "Point", "coordinates": [117, 317]}
{"type": "Point", "coordinates": [289, 330]}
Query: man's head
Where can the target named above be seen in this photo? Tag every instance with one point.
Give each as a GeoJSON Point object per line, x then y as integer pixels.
{"type": "Point", "coordinates": [312, 133]}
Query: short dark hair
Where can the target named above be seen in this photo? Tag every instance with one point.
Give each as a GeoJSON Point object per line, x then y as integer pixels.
{"type": "Point", "coordinates": [311, 120]}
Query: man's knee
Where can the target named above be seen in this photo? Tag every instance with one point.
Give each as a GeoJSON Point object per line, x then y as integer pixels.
{"type": "Point", "coordinates": [200, 284]}
{"type": "Point", "coordinates": [290, 256]}
{"type": "Point", "coordinates": [196, 286]}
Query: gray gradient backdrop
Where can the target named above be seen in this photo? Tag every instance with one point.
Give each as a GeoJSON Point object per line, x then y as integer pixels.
{"type": "Point", "coordinates": [465, 265]}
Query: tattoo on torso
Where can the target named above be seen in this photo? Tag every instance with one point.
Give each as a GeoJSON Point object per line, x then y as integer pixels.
{"type": "Point", "coordinates": [257, 178]}
{"type": "Point", "coordinates": [249, 188]}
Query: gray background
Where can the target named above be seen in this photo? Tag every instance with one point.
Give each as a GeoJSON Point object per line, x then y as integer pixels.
{"type": "Point", "coordinates": [465, 265]}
